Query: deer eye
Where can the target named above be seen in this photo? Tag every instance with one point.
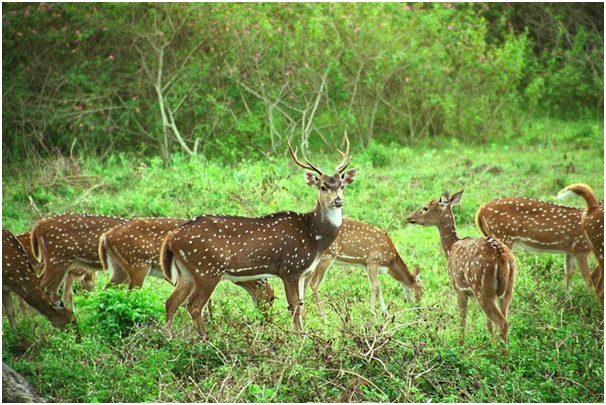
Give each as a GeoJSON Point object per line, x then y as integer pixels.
{"type": "Point", "coordinates": [425, 209]}
{"type": "Point", "coordinates": [323, 188]}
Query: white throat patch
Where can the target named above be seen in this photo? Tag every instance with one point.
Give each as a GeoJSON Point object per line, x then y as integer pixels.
{"type": "Point", "coordinates": [335, 216]}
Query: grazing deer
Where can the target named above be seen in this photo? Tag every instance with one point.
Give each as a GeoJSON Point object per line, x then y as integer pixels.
{"type": "Point", "coordinates": [131, 252]}
{"type": "Point", "coordinates": [592, 222]}
{"type": "Point", "coordinates": [18, 277]}
{"type": "Point", "coordinates": [202, 252]}
{"type": "Point", "coordinates": [85, 277]}
{"type": "Point", "coordinates": [480, 267]}
{"type": "Point", "coordinates": [64, 242]}
{"type": "Point", "coordinates": [363, 244]}
{"type": "Point", "coordinates": [540, 226]}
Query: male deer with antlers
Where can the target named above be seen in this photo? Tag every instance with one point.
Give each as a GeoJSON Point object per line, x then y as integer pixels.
{"type": "Point", "coordinates": [592, 222]}
{"type": "Point", "coordinates": [480, 267]}
{"type": "Point", "coordinates": [363, 244]}
{"type": "Point", "coordinates": [131, 252]}
{"type": "Point", "coordinates": [18, 277]}
{"type": "Point", "coordinates": [540, 226]}
{"type": "Point", "coordinates": [69, 241]}
{"type": "Point", "coordinates": [202, 252]}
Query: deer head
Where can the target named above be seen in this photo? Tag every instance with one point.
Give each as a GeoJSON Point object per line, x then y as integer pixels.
{"type": "Point", "coordinates": [330, 188]}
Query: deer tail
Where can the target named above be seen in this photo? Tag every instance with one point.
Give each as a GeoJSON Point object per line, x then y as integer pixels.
{"type": "Point", "coordinates": [582, 190]}
{"type": "Point", "coordinates": [167, 263]}
{"type": "Point", "coordinates": [505, 270]}
{"type": "Point", "coordinates": [103, 251]}
{"type": "Point", "coordinates": [480, 221]}
{"type": "Point", "coordinates": [36, 251]}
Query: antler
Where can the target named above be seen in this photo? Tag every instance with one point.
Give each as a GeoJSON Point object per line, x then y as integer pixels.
{"type": "Point", "coordinates": [308, 166]}
{"type": "Point", "coordinates": [346, 158]}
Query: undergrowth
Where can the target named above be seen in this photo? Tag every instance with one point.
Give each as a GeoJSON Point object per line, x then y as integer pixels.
{"type": "Point", "coordinates": [126, 354]}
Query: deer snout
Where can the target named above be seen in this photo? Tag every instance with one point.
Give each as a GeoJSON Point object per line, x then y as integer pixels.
{"type": "Point", "coordinates": [338, 202]}
{"type": "Point", "coordinates": [411, 220]}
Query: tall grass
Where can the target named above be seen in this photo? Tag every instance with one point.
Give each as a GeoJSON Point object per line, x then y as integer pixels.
{"type": "Point", "coordinates": [556, 351]}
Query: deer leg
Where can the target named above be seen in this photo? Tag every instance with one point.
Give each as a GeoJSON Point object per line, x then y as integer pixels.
{"type": "Point", "coordinates": [7, 303]}
{"type": "Point", "coordinates": [292, 287]}
{"type": "Point", "coordinates": [583, 261]}
{"type": "Point", "coordinates": [494, 314]}
{"type": "Point", "coordinates": [462, 305]}
{"type": "Point", "coordinates": [137, 275]}
{"type": "Point", "coordinates": [183, 289]}
{"type": "Point", "coordinates": [119, 275]}
{"type": "Point", "coordinates": [315, 280]}
{"type": "Point", "coordinates": [68, 292]}
{"type": "Point", "coordinates": [569, 271]}
{"type": "Point", "coordinates": [53, 276]}
{"type": "Point", "coordinates": [372, 271]}
{"type": "Point", "coordinates": [197, 301]}
{"type": "Point", "coordinates": [597, 276]}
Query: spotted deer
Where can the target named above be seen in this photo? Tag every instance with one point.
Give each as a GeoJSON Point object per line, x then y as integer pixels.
{"type": "Point", "coordinates": [131, 252]}
{"type": "Point", "coordinates": [85, 277]}
{"type": "Point", "coordinates": [366, 245]}
{"type": "Point", "coordinates": [539, 226]}
{"type": "Point", "coordinates": [592, 221]}
{"type": "Point", "coordinates": [18, 277]}
{"type": "Point", "coordinates": [483, 268]}
{"type": "Point", "coordinates": [210, 248]}
{"type": "Point", "coordinates": [64, 242]}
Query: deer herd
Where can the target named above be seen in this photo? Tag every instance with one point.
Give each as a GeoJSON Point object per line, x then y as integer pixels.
{"type": "Point", "coordinates": [195, 255]}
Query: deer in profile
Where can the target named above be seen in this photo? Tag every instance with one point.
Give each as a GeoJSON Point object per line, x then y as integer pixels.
{"type": "Point", "coordinates": [592, 222]}
{"type": "Point", "coordinates": [131, 252]}
{"type": "Point", "coordinates": [85, 277]}
{"type": "Point", "coordinates": [18, 277]}
{"type": "Point", "coordinates": [366, 245]}
{"type": "Point", "coordinates": [210, 248]}
{"type": "Point", "coordinates": [483, 268]}
{"type": "Point", "coordinates": [65, 242]}
{"type": "Point", "coordinates": [538, 226]}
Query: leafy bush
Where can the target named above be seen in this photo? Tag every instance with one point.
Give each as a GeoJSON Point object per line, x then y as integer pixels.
{"type": "Point", "coordinates": [112, 313]}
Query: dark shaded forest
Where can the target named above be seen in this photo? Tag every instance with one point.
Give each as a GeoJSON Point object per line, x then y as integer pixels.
{"type": "Point", "coordinates": [234, 80]}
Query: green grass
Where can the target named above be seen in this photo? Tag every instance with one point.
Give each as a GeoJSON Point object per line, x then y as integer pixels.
{"type": "Point", "coordinates": [125, 354]}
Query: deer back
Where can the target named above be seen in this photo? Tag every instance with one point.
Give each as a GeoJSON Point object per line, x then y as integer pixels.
{"type": "Point", "coordinates": [70, 237]}
{"type": "Point", "coordinates": [138, 241]}
{"type": "Point", "coordinates": [534, 224]}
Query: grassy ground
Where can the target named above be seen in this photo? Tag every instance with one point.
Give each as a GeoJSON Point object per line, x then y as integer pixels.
{"type": "Point", "coordinates": [556, 351]}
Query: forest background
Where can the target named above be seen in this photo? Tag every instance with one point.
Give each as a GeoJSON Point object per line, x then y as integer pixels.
{"type": "Point", "coordinates": [179, 109]}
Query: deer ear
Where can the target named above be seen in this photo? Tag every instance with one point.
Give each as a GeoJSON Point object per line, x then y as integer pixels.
{"type": "Point", "coordinates": [312, 179]}
{"type": "Point", "coordinates": [445, 199]}
{"type": "Point", "coordinates": [349, 176]}
{"type": "Point", "coordinates": [456, 198]}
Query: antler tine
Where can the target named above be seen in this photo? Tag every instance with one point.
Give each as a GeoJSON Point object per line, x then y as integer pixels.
{"type": "Point", "coordinates": [346, 158]}
{"type": "Point", "coordinates": [308, 166]}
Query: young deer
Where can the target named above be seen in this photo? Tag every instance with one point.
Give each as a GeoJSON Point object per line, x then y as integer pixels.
{"type": "Point", "coordinates": [18, 277]}
{"type": "Point", "coordinates": [131, 252]}
{"type": "Point", "coordinates": [363, 244]}
{"type": "Point", "coordinates": [592, 222]}
{"type": "Point", "coordinates": [539, 226]}
{"type": "Point", "coordinates": [86, 278]}
{"type": "Point", "coordinates": [210, 248]}
{"type": "Point", "coordinates": [480, 267]}
{"type": "Point", "coordinates": [69, 241]}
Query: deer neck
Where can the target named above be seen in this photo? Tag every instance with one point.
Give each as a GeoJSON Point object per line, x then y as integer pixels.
{"type": "Point", "coordinates": [325, 225]}
{"type": "Point", "coordinates": [448, 232]}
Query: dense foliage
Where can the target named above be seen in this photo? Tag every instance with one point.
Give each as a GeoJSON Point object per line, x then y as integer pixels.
{"type": "Point", "coordinates": [232, 80]}
{"type": "Point", "coordinates": [125, 354]}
